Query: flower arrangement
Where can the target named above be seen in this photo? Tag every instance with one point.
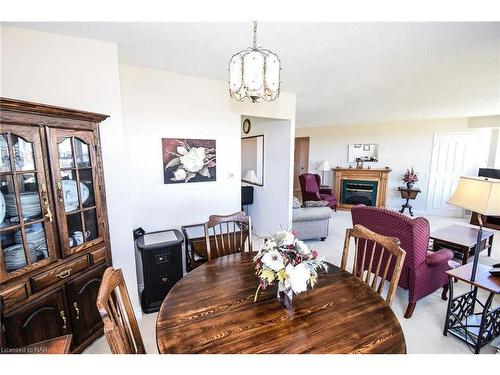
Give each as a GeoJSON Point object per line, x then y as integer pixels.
{"type": "Point", "coordinates": [410, 177]}
{"type": "Point", "coordinates": [285, 260]}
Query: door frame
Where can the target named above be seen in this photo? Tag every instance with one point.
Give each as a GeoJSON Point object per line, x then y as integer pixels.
{"type": "Point", "coordinates": [297, 188]}
{"type": "Point", "coordinates": [433, 156]}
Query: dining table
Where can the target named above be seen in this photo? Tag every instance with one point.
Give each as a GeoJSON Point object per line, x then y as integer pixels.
{"type": "Point", "coordinates": [212, 310]}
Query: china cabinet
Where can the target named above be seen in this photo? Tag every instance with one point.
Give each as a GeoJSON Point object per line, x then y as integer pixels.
{"type": "Point", "coordinates": [54, 240]}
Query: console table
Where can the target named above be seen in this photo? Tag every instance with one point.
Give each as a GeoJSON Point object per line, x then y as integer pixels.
{"type": "Point", "coordinates": [476, 329]}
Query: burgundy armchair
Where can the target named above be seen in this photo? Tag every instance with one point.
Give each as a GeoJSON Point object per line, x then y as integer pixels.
{"type": "Point", "coordinates": [310, 186]}
{"type": "Point", "coordinates": [422, 273]}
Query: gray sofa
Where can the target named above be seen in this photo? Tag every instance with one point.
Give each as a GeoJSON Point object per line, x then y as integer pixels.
{"type": "Point", "coordinates": [311, 222]}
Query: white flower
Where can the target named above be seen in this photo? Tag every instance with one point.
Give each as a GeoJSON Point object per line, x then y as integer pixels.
{"type": "Point", "coordinates": [269, 244]}
{"type": "Point", "coordinates": [302, 247]}
{"type": "Point", "coordinates": [179, 175]}
{"type": "Point", "coordinates": [273, 260]}
{"type": "Point", "coordinates": [193, 160]}
{"type": "Point", "coordinates": [297, 277]}
{"type": "Point", "coordinates": [284, 238]}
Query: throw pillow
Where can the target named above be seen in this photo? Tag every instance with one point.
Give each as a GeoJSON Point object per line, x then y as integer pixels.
{"type": "Point", "coordinates": [315, 203]}
{"type": "Point", "coordinates": [296, 203]}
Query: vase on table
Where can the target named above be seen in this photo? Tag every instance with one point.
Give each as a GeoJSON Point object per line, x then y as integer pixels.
{"type": "Point", "coordinates": [285, 295]}
{"type": "Point", "coordinates": [409, 185]}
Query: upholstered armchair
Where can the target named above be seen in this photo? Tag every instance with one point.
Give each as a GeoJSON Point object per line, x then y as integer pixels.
{"type": "Point", "coordinates": [422, 273]}
{"type": "Point", "coordinates": [310, 186]}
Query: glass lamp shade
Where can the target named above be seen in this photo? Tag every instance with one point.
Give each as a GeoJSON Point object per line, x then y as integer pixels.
{"type": "Point", "coordinates": [478, 194]}
{"type": "Point", "coordinates": [324, 166]}
{"type": "Point", "coordinates": [254, 73]}
{"type": "Point", "coordinates": [250, 176]}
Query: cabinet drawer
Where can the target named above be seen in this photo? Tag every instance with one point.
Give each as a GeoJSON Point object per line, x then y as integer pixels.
{"type": "Point", "coordinates": [45, 279]}
{"type": "Point", "coordinates": [97, 256]}
{"type": "Point", "coordinates": [13, 295]}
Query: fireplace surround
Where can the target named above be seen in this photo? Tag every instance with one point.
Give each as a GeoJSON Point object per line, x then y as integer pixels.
{"type": "Point", "coordinates": [361, 186]}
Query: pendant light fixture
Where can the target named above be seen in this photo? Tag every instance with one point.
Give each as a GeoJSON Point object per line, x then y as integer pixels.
{"type": "Point", "coordinates": [254, 73]}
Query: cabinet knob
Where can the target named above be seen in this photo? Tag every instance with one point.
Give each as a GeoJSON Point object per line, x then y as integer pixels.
{"type": "Point", "coordinates": [63, 317]}
{"type": "Point", "coordinates": [75, 305]}
{"type": "Point", "coordinates": [164, 279]}
{"type": "Point", "coordinates": [59, 191]}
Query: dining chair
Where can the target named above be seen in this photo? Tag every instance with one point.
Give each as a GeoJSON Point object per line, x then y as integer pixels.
{"type": "Point", "coordinates": [376, 258]}
{"type": "Point", "coordinates": [120, 325]}
{"type": "Point", "coordinates": [229, 235]}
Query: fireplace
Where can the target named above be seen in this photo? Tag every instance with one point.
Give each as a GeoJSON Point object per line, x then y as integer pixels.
{"type": "Point", "coordinates": [359, 192]}
{"type": "Point", "coordinates": [361, 186]}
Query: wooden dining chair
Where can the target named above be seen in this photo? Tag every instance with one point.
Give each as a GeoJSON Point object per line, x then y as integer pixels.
{"type": "Point", "coordinates": [228, 234]}
{"type": "Point", "coordinates": [3, 340]}
{"type": "Point", "coordinates": [120, 325]}
{"type": "Point", "coordinates": [376, 258]}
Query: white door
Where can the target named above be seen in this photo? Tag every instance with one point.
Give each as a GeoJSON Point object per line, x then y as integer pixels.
{"type": "Point", "coordinates": [453, 155]}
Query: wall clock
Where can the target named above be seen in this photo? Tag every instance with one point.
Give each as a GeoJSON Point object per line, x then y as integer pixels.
{"type": "Point", "coordinates": [246, 126]}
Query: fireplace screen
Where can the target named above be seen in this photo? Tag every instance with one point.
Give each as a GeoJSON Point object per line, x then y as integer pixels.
{"type": "Point", "coordinates": [359, 192]}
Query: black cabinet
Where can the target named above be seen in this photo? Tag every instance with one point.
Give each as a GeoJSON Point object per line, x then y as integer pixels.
{"type": "Point", "coordinates": [161, 266]}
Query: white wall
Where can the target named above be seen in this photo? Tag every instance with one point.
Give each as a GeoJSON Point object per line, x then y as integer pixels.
{"type": "Point", "coordinates": [402, 145]}
{"type": "Point", "coordinates": [270, 210]}
{"type": "Point", "coordinates": [159, 104]}
{"type": "Point", "coordinates": [81, 74]}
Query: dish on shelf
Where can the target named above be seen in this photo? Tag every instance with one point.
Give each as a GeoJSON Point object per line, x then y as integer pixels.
{"type": "Point", "coordinates": [70, 193]}
{"type": "Point", "coordinates": [30, 203]}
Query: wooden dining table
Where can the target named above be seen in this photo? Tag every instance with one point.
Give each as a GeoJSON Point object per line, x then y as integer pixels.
{"type": "Point", "coordinates": [212, 310]}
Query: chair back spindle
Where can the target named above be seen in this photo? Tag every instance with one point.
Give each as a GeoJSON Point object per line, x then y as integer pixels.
{"type": "Point", "coordinates": [228, 234]}
{"type": "Point", "coordinates": [120, 325]}
{"type": "Point", "coordinates": [376, 258]}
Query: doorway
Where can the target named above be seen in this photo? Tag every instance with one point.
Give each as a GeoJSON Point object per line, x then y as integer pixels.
{"type": "Point", "coordinates": [300, 162]}
{"type": "Point", "coordinates": [452, 157]}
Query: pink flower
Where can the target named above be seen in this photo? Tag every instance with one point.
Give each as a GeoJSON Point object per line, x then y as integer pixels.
{"type": "Point", "coordinates": [314, 253]}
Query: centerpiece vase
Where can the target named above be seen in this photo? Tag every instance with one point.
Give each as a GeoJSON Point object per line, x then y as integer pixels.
{"type": "Point", "coordinates": [409, 185]}
{"type": "Point", "coordinates": [285, 295]}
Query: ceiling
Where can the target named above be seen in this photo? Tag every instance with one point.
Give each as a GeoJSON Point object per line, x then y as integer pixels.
{"type": "Point", "coordinates": [342, 73]}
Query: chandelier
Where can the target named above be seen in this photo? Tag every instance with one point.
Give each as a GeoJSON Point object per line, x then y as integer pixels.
{"type": "Point", "coordinates": [254, 73]}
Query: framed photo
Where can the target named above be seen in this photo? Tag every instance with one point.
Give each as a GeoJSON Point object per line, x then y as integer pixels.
{"type": "Point", "coordinates": [357, 146]}
{"type": "Point", "coordinates": [366, 147]}
{"type": "Point", "coordinates": [189, 160]}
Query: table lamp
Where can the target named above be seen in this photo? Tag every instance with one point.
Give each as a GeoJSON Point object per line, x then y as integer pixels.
{"type": "Point", "coordinates": [250, 176]}
{"type": "Point", "coordinates": [324, 167]}
{"type": "Point", "coordinates": [480, 195]}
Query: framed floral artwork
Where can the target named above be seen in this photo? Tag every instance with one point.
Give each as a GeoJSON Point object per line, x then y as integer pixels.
{"type": "Point", "coordinates": [189, 160]}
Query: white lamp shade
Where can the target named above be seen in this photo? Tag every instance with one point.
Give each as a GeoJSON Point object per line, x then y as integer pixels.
{"type": "Point", "coordinates": [250, 176]}
{"type": "Point", "coordinates": [478, 194]}
{"type": "Point", "coordinates": [253, 72]}
{"type": "Point", "coordinates": [324, 166]}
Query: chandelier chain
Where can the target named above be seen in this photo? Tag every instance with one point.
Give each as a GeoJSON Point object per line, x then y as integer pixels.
{"type": "Point", "coordinates": [255, 34]}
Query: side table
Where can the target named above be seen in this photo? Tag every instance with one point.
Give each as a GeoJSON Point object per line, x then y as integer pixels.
{"type": "Point", "coordinates": [408, 194]}
{"type": "Point", "coordinates": [161, 254]}
{"type": "Point", "coordinates": [476, 329]}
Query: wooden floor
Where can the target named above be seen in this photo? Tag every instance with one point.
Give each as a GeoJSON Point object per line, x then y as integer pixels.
{"type": "Point", "coordinates": [423, 332]}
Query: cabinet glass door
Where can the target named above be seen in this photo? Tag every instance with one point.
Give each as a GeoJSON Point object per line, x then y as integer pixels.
{"type": "Point", "coordinates": [74, 169]}
{"type": "Point", "coordinates": [26, 232]}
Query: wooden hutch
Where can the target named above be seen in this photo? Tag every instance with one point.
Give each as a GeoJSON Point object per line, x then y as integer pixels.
{"type": "Point", "coordinates": [377, 178]}
{"type": "Point", "coordinates": [53, 223]}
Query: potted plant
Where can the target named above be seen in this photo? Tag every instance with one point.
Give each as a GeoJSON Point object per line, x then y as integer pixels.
{"type": "Point", "coordinates": [410, 177]}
